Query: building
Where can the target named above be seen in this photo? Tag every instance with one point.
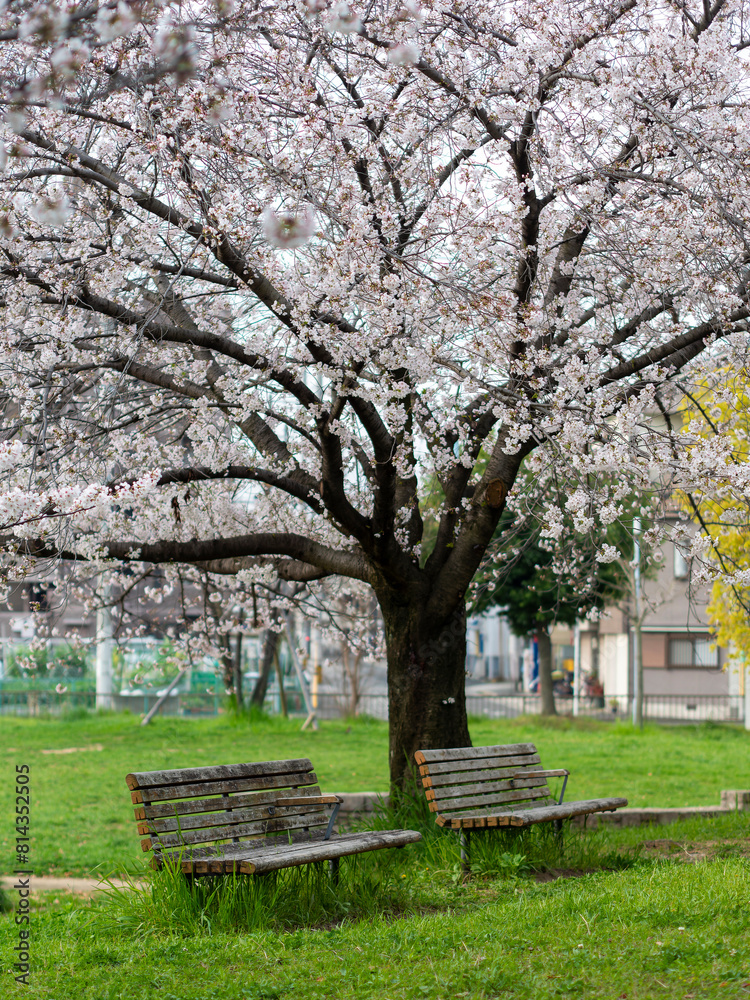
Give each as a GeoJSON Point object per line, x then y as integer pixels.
{"type": "Point", "coordinates": [679, 655]}
{"type": "Point", "coordinates": [680, 659]}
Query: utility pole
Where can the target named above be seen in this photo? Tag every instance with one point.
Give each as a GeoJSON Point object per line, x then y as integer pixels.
{"type": "Point", "coordinates": [576, 668]}
{"type": "Point", "coordinates": [637, 655]}
{"type": "Point", "coordinates": [104, 649]}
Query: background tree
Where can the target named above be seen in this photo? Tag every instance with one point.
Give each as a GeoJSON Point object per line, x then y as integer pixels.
{"type": "Point", "coordinates": [345, 253]}
{"type": "Point", "coordinates": [715, 420]}
{"type": "Point", "coordinates": [538, 587]}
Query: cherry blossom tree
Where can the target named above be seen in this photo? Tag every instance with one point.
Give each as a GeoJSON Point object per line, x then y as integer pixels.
{"type": "Point", "coordinates": [251, 311]}
{"type": "Point", "coordinates": [63, 53]}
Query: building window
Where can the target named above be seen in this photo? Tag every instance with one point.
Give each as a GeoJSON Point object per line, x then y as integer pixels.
{"type": "Point", "coordinates": [693, 653]}
{"type": "Point", "coordinates": [681, 565]}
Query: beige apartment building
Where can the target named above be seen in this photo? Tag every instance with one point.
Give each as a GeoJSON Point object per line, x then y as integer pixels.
{"type": "Point", "coordinates": [679, 655]}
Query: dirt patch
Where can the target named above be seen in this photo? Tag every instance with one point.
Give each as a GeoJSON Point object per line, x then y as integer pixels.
{"type": "Point", "coordinates": [553, 874]}
{"type": "Point", "coordinates": [94, 746]}
{"type": "Point", "coordinates": [686, 852]}
{"type": "Point", "coordinates": [79, 886]}
{"type": "Point", "coordinates": [693, 851]}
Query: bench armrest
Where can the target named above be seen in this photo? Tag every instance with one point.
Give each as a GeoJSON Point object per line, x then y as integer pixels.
{"type": "Point", "coordinates": [309, 800]}
{"type": "Point", "coordinates": [558, 772]}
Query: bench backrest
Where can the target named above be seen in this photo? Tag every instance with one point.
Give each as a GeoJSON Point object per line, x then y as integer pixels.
{"type": "Point", "coordinates": [224, 804]}
{"type": "Point", "coordinates": [482, 781]}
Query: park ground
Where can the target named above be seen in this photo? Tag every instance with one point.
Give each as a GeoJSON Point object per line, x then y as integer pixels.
{"type": "Point", "coordinates": [635, 913]}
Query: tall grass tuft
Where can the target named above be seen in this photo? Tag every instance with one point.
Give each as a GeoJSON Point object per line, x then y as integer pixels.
{"type": "Point", "coordinates": [5, 902]}
{"type": "Point", "coordinates": [501, 852]}
{"type": "Point", "coordinates": [167, 902]}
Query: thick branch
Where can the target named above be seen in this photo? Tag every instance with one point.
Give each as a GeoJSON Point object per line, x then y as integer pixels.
{"type": "Point", "coordinates": [679, 350]}
{"type": "Point", "coordinates": [202, 473]}
{"type": "Point", "coordinates": [297, 547]}
{"type": "Point", "coordinates": [286, 569]}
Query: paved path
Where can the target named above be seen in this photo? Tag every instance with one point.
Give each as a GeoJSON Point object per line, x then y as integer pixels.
{"type": "Point", "coordinates": [51, 883]}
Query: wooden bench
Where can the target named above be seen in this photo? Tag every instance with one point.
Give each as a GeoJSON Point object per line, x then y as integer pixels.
{"type": "Point", "coordinates": [245, 818]}
{"type": "Point", "coordinates": [473, 788]}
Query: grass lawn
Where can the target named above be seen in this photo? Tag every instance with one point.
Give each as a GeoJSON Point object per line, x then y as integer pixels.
{"type": "Point", "coordinates": [632, 919]}
{"type": "Point", "coordinates": [656, 929]}
{"type": "Point", "coordinates": [82, 816]}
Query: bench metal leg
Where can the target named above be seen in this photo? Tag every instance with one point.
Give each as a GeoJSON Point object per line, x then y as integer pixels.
{"type": "Point", "coordinates": [558, 825]}
{"type": "Point", "coordinates": [333, 870]}
{"type": "Point", "coordinates": [332, 820]}
{"type": "Point", "coordinates": [463, 840]}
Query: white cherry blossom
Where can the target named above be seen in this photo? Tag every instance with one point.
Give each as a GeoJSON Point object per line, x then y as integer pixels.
{"type": "Point", "coordinates": [404, 54]}
{"type": "Point", "coordinates": [51, 210]}
{"type": "Point", "coordinates": [344, 20]}
{"type": "Point", "coordinates": [528, 243]}
{"type": "Point", "coordinates": [288, 229]}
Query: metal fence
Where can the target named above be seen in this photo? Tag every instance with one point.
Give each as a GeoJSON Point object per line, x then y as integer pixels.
{"type": "Point", "coordinates": [44, 701]}
{"type": "Point", "coordinates": [656, 708]}
{"type": "Point", "coordinates": [676, 708]}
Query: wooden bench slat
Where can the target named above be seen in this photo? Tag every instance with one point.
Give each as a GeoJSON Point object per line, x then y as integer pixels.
{"type": "Point", "coordinates": [493, 792]}
{"type": "Point", "coordinates": [340, 847]}
{"type": "Point", "coordinates": [308, 800]}
{"type": "Point", "coordinates": [542, 814]}
{"type": "Point", "coordinates": [495, 774]}
{"type": "Point", "coordinates": [471, 753]}
{"type": "Point", "coordinates": [474, 822]}
{"type": "Point", "coordinates": [208, 835]}
{"type": "Point", "coordinates": [140, 795]}
{"type": "Point", "coordinates": [262, 859]}
{"type": "Point", "coordinates": [566, 810]}
{"type": "Point", "coordinates": [488, 817]}
{"type": "Point", "coordinates": [237, 850]}
{"type": "Point", "coordinates": [450, 767]}
{"type": "Point", "coordinates": [225, 818]}
{"type": "Point", "coordinates": [485, 817]}
{"type": "Point", "coordinates": [496, 802]}
{"type": "Point", "coordinates": [158, 810]}
{"type": "Point", "coordinates": [471, 822]}
{"type": "Point", "coordinates": [219, 772]}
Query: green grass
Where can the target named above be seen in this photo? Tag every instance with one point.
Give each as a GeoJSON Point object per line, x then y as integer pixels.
{"type": "Point", "coordinates": [633, 920]}
{"type": "Point", "coordinates": [83, 817]}
{"type": "Point", "coordinates": [653, 930]}
{"type": "Point", "coordinates": [660, 766]}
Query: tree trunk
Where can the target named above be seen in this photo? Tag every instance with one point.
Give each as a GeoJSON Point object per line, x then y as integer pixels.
{"type": "Point", "coordinates": [426, 684]}
{"type": "Point", "coordinates": [227, 664]}
{"type": "Point", "coordinates": [237, 672]}
{"type": "Point", "coordinates": [546, 690]}
{"type": "Point", "coordinates": [270, 645]}
{"type": "Point", "coordinates": [350, 663]}
{"type": "Point", "coordinates": [280, 679]}
{"type": "Point", "coordinates": [231, 668]}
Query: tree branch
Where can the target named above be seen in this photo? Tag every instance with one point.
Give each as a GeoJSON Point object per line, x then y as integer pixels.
{"type": "Point", "coordinates": [297, 547]}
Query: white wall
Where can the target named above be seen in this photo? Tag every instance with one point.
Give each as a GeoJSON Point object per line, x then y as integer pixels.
{"type": "Point", "coordinates": [614, 666]}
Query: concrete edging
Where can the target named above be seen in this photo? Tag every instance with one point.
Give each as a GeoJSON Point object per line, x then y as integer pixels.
{"type": "Point", "coordinates": [732, 800]}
